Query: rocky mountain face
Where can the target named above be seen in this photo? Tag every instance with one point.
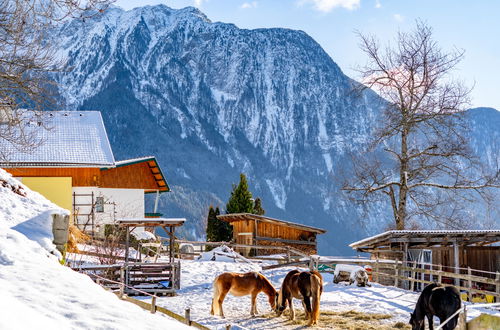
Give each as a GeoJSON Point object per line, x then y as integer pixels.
{"type": "Point", "coordinates": [210, 101]}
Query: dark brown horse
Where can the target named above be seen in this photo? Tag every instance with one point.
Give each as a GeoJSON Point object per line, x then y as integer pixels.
{"type": "Point", "coordinates": [241, 285]}
{"type": "Point", "coordinates": [304, 286]}
{"type": "Point", "coordinates": [436, 300]}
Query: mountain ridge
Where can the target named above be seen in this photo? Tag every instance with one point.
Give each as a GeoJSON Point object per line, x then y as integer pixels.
{"type": "Point", "coordinates": [213, 101]}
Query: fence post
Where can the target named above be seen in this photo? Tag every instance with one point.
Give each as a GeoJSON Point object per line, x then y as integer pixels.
{"type": "Point", "coordinates": [288, 256]}
{"type": "Point", "coordinates": [122, 284]}
{"type": "Point", "coordinates": [462, 319]}
{"type": "Point", "coordinates": [153, 304]}
{"type": "Point", "coordinates": [440, 276]}
{"type": "Point", "coordinates": [376, 271]}
{"type": "Point", "coordinates": [187, 315]}
{"type": "Point", "coordinates": [497, 280]}
{"type": "Point", "coordinates": [412, 280]}
{"type": "Point", "coordinates": [469, 282]}
{"type": "Point", "coordinates": [396, 274]}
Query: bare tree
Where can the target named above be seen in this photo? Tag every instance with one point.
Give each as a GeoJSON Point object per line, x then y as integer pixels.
{"type": "Point", "coordinates": [419, 159]}
{"type": "Point", "coordinates": [26, 58]}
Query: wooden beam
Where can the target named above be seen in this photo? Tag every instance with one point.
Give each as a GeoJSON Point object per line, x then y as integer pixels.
{"type": "Point", "coordinates": [456, 261]}
{"type": "Point", "coordinates": [289, 241]}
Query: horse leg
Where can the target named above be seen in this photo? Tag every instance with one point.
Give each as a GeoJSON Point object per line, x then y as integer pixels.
{"type": "Point", "coordinates": [253, 310]}
{"type": "Point", "coordinates": [305, 310]}
{"type": "Point", "coordinates": [292, 310]}
{"type": "Point", "coordinates": [431, 321]}
{"type": "Point", "coordinates": [220, 301]}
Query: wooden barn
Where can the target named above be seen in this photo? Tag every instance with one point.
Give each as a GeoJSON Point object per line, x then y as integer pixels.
{"type": "Point", "coordinates": [454, 250]}
{"type": "Point", "coordinates": [252, 229]}
{"type": "Point", "coordinates": [74, 167]}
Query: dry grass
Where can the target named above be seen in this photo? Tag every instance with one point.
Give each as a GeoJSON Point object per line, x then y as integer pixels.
{"type": "Point", "coordinates": [350, 320]}
{"type": "Point", "coordinates": [75, 236]}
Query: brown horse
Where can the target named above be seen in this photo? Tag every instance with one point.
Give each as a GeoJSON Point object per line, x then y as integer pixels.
{"type": "Point", "coordinates": [304, 286]}
{"type": "Point", "coordinates": [241, 285]}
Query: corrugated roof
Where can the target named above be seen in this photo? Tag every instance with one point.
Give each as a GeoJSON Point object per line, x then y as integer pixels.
{"type": "Point", "coordinates": [74, 139]}
{"type": "Point", "coordinates": [394, 234]}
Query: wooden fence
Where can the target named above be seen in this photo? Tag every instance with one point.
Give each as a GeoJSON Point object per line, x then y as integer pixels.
{"type": "Point", "coordinates": [406, 275]}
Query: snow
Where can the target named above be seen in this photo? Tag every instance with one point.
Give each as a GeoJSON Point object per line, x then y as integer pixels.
{"type": "Point", "coordinates": [37, 291]}
{"type": "Point", "coordinates": [347, 268]}
{"type": "Point", "coordinates": [73, 138]}
{"type": "Point", "coordinates": [196, 294]}
{"type": "Point", "coordinates": [223, 253]}
{"type": "Point", "coordinates": [143, 235]}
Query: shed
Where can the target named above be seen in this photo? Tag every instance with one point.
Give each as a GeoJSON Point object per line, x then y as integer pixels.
{"type": "Point", "coordinates": [252, 229]}
{"type": "Point", "coordinates": [452, 249]}
{"type": "Point", "coordinates": [154, 278]}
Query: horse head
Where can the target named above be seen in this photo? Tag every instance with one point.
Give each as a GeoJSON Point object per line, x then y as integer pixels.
{"type": "Point", "coordinates": [280, 303]}
{"type": "Point", "coordinates": [273, 299]}
{"type": "Point", "coordinates": [416, 324]}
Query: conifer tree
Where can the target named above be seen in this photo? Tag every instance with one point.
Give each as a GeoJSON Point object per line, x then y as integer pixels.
{"type": "Point", "coordinates": [241, 198]}
{"type": "Point", "coordinates": [257, 207]}
{"type": "Point", "coordinates": [212, 224]}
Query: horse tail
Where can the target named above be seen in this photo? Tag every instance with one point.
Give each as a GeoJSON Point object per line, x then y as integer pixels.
{"type": "Point", "coordinates": [215, 300]}
{"type": "Point", "coordinates": [316, 290]}
{"type": "Point", "coordinates": [306, 288]}
{"type": "Point", "coordinates": [307, 302]}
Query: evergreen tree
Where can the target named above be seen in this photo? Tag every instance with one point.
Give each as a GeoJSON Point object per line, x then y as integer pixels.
{"type": "Point", "coordinates": [212, 224]}
{"type": "Point", "coordinates": [241, 198]}
{"type": "Point", "coordinates": [257, 207]}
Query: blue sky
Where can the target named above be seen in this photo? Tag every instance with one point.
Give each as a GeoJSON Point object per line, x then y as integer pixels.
{"type": "Point", "coordinates": [465, 24]}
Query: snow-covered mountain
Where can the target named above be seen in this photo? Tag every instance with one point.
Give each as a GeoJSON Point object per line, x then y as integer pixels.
{"type": "Point", "coordinates": [211, 100]}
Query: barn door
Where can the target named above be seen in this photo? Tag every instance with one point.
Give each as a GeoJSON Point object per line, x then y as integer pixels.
{"type": "Point", "coordinates": [423, 259]}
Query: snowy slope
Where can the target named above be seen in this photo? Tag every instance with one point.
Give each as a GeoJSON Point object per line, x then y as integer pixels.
{"type": "Point", "coordinates": [37, 292]}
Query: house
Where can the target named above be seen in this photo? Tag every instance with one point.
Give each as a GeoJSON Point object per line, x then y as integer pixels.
{"type": "Point", "coordinates": [252, 229]}
{"type": "Point", "coordinates": [75, 168]}
{"type": "Point", "coordinates": [451, 250]}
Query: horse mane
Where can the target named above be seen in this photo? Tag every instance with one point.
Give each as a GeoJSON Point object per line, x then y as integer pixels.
{"type": "Point", "coordinates": [267, 286]}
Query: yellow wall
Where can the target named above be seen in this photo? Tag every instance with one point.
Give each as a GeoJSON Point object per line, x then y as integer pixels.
{"type": "Point", "coordinates": [56, 189]}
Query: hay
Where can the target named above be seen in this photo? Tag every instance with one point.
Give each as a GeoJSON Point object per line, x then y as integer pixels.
{"type": "Point", "coordinates": [351, 320]}
{"type": "Point", "coordinates": [75, 236]}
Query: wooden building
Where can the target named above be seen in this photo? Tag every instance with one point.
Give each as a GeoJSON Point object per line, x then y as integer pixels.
{"type": "Point", "coordinates": [454, 250]}
{"type": "Point", "coordinates": [74, 167]}
{"type": "Point", "coordinates": [252, 229]}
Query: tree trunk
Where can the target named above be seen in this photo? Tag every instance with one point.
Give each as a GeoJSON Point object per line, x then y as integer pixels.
{"type": "Point", "coordinates": [403, 179]}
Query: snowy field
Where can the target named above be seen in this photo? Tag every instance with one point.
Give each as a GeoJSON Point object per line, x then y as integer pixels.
{"type": "Point", "coordinates": [196, 293]}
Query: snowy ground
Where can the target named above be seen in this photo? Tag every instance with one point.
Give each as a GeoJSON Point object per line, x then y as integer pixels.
{"type": "Point", "coordinates": [196, 294]}
{"type": "Point", "coordinates": [37, 292]}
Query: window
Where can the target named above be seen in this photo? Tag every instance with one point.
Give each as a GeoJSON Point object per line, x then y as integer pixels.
{"type": "Point", "coordinates": [99, 204]}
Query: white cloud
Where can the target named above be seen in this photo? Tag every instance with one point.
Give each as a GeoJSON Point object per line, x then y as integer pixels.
{"type": "Point", "coordinates": [198, 3]}
{"type": "Point", "coordinates": [328, 5]}
{"type": "Point", "coordinates": [378, 4]}
{"type": "Point", "coordinates": [398, 17]}
{"type": "Point", "coordinates": [248, 5]}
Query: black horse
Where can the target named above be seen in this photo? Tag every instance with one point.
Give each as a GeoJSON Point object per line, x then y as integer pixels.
{"type": "Point", "coordinates": [436, 300]}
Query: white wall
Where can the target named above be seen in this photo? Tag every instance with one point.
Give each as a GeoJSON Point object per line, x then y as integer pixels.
{"type": "Point", "coordinates": [119, 203]}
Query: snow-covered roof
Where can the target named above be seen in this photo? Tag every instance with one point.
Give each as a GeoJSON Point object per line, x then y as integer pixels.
{"type": "Point", "coordinates": [73, 139]}
{"type": "Point", "coordinates": [134, 160]}
{"type": "Point", "coordinates": [429, 237]}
